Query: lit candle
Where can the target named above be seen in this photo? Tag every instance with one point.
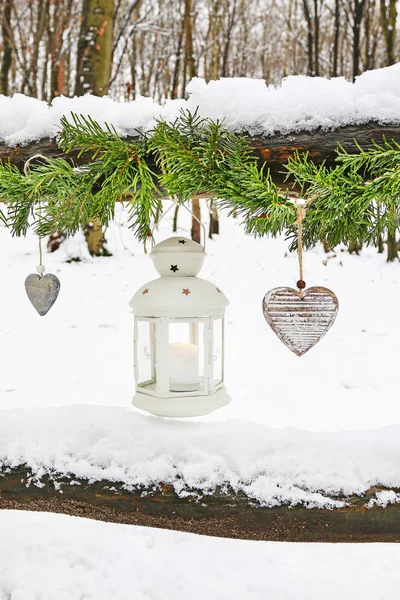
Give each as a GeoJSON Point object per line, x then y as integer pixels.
{"type": "Point", "coordinates": [184, 367]}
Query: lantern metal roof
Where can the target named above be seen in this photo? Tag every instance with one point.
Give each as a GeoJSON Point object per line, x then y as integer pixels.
{"type": "Point", "coordinates": [178, 297]}
{"type": "Point", "coordinates": [178, 292]}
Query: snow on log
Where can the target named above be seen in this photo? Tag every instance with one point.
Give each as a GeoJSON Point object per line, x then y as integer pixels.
{"type": "Point", "coordinates": [221, 514]}
{"type": "Point", "coordinates": [231, 479]}
{"type": "Point", "coordinates": [310, 114]}
{"type": "Point", "coordinates": [298, 104]}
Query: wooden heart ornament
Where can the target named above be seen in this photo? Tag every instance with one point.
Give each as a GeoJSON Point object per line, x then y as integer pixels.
{"type": "Point", "coordinates": [300, 322]}
{"type": "Point", "coordinates": [42, 291]}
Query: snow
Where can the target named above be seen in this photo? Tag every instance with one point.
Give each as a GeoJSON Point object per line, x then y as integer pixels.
{"type": "Point", "coordinates": [297, 431]}
{"type": "Point", "coordinates": [48, 557]}
{"type": "Point", "coordinates": [271, 466]}
{"type": "Point", "coordinates": [299, 103]}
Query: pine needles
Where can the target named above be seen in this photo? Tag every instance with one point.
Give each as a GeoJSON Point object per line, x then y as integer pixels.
{"type": "Point", "coordinates": [354, 201]}
{"type": "Point", "coordinates": [357, 200]}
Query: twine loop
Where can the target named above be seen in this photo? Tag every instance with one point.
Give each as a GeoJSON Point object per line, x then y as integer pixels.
{"type": "Point", "coordinates": [26, 173]}
{"type": "Point", "coordinates": [300, 214]}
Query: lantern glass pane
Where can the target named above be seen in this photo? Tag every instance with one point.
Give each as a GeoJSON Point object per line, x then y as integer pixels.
{"type": "Point", "coordinates": [217, 353]}
{"type": "Point", "coordinates": [146, 353]}
{"type": "Point", "coordinates": [186, 356]}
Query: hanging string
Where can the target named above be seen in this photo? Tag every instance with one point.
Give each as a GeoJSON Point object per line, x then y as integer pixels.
{"type": "Point", "coordinates": [40, 268]}
{"type": "Point", "coordinates": [301, 213]}
{"type": "Point", "coordinates": [40, 252]}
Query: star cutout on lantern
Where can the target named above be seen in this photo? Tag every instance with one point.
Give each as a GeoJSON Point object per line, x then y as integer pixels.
{"type": "Point", "coordinates": [182, 241]}
{"type": "Point", "coordinates": [186, 292]}
{"type": "Point", "coordinates": [146, 291]}
{"type": "Point", "coordinates": [174, 268]}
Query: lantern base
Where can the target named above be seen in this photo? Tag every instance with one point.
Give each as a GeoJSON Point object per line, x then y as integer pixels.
{"type": "Point", "coordinates": [181, 406]}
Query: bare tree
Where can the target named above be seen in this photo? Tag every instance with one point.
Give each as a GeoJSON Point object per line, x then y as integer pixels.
{"type": "Point", "coordinates": [95, 47]}
{"type": "Point", "coordinates": [7, 46]}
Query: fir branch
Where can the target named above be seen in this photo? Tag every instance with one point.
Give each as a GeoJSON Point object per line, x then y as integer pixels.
{"type": "Point", "coordinates": [356, 200]}
{"type": "Point", "coordinates": [126, 176]}
{"type": "Point", "coordinates": [353, 202]}
{"type": "Point", "coordinates": [198, 156]}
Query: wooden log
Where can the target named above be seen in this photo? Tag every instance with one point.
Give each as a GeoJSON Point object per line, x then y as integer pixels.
{"type": "Point", "coordinates": [273, 151]}
{"type": "Point", "coordinates": [221, 514]}
{"type": "Point", "coordinates": [319, 144]}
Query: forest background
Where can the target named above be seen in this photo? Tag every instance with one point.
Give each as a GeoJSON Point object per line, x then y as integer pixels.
{"type": "Point", "coordinates": [132, 48]}
{"type": "Point", "coordinates": [128, 48]}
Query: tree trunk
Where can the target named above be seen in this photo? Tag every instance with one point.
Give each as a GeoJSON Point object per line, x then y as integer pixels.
{"type": "Point", "coordinates": [93, 74]}
{"type": "Point", "coordinates": [214, 223]}
{"type": "Point", "coordinates": [325, 245]}
{"type": "Point", "coordinates": [227, 40]}
{"type": "Point", "coordinates": [95, 239]}
{"type": "Point", "coordinates": [190, 70]}
{"type": "Point", "coordinates": [392, 253]}
{"type": "Point", "coordinates": [175, 221]}
{"type": "Point", "coordinates": [316, 38]}
{"type": "Point", "coordinates": [7, 46]}
{"type": "Point", "coordinates": [177, 67]}
{"type": "Point", "coordinates": [388, 24]}
{"type": "Point", "coordinates": [60, 21]}
{"type": "Point", "coordinates": [196, 227]}
{"type": "Point", "coordinates": [95, 44]}
{"type": "Point", "coordinates": [355, 247]}
{"type": "Point", "coordinates": [190, 65]}
{"type": "Point", "coordinates": [336, 39]}
{"type": "Point", "coordinates": [357, 20]}
{"type": "Point", "coordinates": [43, 15]}
{"type": "Point", "coordinates": [310, 38]}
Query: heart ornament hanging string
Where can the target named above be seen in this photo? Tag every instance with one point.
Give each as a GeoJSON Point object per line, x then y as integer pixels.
{"type": "Point", "coordinates": [42, 290]}
{"type": "Point", "coordinates": [300, 318]}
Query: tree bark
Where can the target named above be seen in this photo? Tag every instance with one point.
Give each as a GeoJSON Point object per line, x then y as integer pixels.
{"type": "Point", "coordinates": [228, 38]}
{"type": "Point", "coordinates": [388, 24]}
{"type": "Point", "coordinates": [7, 46]}
{"type": "Point", "coordinates": [95, 239]}
{"type": "Point", "coordinates": [95, 44]}
{"type": "Point", "coordinates": [214, 222]}
{"type": "Point", "coordinates": [336, 39]}
{"type": "Point", "coordinates": [177, 67]}
{"type": "Point", "coordinates": [175, 221]}
{"type": "Point", "coordinates": [358, 13]}
{"type": "Point", "coordinates": [392, 253]}
{"type": "Point", "coordinates": [273, 151]}
{"type": "Point", "coordinates": [310, 38]}
{"type": "Point", "coordinates": [355, 248]}
{"type": "Point", "coordinates": [190, 64]}
{"type": "Point", "coordinates": [93, 73]}
{"type": "Point", "coordinates": [196, 227]}
{"type": "Point", "coordinates": [316, 37]}
{"type": "Point", "coordinates": [222, 514]}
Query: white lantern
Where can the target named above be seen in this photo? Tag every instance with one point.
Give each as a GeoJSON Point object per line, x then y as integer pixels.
{"type": "Point", "coordinates": [179, 335]}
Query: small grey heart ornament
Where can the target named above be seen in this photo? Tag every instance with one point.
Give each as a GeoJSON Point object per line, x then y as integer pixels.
{"type": "Point", "coordinates": [42, 291]}
{"type": "Point", "coordinates": [300, 321]}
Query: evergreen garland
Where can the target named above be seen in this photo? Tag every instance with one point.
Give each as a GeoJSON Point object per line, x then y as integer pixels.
{"type": "Point", "coordinates": [355, 201]}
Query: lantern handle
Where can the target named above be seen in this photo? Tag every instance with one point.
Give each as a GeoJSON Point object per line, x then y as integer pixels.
{"type": "Point", "coordinates": [176, 203]}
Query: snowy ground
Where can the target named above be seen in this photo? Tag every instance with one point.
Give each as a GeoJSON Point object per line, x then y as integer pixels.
{"type": "Point", "coordinates": [81, 354]}
{"type": "Point", "coordinates": [53, 557]}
